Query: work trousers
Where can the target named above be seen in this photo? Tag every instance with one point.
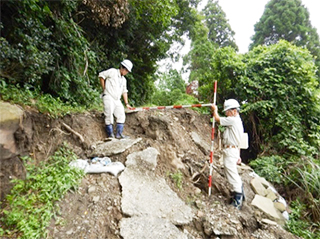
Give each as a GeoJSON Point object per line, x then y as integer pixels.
{"type": "Point", "coordinates": [230, 158]}
{"type": "Point", "coordinates": [112, 108]}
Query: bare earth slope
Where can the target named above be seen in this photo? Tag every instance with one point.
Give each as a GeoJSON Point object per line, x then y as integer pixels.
{"type": "Point", "coordinates": [182, 138]}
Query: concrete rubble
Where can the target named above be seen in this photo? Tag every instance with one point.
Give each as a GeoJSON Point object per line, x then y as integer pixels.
{"type": "Point", "coordinates": [112, 147]}
{"type": "Point", "coordinates": [268, 201]}
{"type": "Point", "coordinates": [147, 197]}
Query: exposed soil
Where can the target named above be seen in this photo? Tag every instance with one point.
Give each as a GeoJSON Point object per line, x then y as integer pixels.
{"type": "Point", "coordinates": [94, 210]}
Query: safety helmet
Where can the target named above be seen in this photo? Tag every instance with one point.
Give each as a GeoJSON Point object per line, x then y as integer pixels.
{"type": "Point", "coordinates": [127, 64]}
{"type": "Point", "coordinates": [230, 104]}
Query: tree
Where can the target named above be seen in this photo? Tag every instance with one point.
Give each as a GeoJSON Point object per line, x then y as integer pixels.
{"type": "Point", "coordinates": [280, 87]}
{"type": "Point", "coordinates": [210, 33]}
{"type": "Point", "coordinates": [171, 90]}
{"type": "Point", "coordinates": [58, 47]}
{"type": "Point", "coordinates": [287, 20]}
{"type": "Point", "coordinates": [220, 31]}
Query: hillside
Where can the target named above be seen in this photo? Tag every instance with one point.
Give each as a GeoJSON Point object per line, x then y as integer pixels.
{"type": "Point", "coordinates": [146, 199]}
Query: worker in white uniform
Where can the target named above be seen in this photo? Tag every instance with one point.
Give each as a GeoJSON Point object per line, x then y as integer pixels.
{"type": "Point", "coordinates": [114, 84]}
{"type": "Point", "coordinates": [231, 142]}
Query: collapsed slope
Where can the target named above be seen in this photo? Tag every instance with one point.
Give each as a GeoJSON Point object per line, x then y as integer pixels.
{"type": "Point", "coordinates": [182, 140]}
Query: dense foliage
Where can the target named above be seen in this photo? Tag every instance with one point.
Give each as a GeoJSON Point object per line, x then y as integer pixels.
{"type": "Point", "coordinates": [52, 51]}
{"type": "Point", "coordinates": [279, 91]}
{"type": "Point", "coordinates": [220, 32]}
{"type": "Point", "coordinates": [58, 47]}
{"type": "Point", "coordinates": [171, 90]}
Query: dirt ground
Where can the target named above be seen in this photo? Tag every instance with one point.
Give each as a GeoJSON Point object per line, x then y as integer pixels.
{"type": "Point", "coordinates": [94, 210]}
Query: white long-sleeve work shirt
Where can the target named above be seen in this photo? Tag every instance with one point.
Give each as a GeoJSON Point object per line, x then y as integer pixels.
{"type": "Point", "coordinates": [115, 84]}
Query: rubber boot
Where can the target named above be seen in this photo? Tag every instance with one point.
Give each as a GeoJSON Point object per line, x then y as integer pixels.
{"type": "Point", "coordinates": [109, 130]}
{"type": "Point", "coordinates": [119, 134]}
{"type": "Point", "coordinates": [243, 195]}
{"type": "Point", "coordinates": [237, 200]}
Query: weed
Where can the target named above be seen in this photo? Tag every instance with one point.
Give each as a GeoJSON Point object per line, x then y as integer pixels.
{"type": "Point", "coordinates": [177, 178]}
{"type": "Point", "coordinates": [31, 204]}
{"type": "Point", "coordinates": [45, 103]}
{"type": "Point", "coordinates": [298, 225]}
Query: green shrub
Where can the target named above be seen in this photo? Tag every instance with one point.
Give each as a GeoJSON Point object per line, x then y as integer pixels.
{"type": "Point", "coordinates": [31, 203]}
{"type": "Point", "coordinates": [298, 224]}
{"type": "Point", "coordinates": [270, 167]}
{"type": "Point", "coordinates": [177, 177]}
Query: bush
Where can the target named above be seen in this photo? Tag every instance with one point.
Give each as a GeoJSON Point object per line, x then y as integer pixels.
{"type": "Point", "coordinates": [31, 204]}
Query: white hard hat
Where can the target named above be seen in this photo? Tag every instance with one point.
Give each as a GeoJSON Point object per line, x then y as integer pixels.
{"type": "Point", "coordinates": [230, 104]}
{"type": "Point", "coordinates": [127, 64]}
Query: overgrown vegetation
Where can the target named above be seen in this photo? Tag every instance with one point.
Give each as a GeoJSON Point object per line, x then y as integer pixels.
{"type": "Point", "coordinates": [44, 103]}
{"type": "Point", "coordinates": [51, 52]}
{"type": "Point", "coordinates": [32, 202]}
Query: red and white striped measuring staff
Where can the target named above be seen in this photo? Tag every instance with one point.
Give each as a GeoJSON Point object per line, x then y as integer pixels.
{"type": "Point", "coordinates": [212, 139]}
{"type": "Point", "coordinates": [132, 109]}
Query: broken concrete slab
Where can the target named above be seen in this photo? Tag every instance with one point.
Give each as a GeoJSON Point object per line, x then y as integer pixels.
{"type": "Point", "coordinates": [266, 205]}
{"type": "Point", "coordinates": [146, 194]}
{"type": "Point", "coordinates": [143, 159]}
{"type": "Point", "coordinates": [258, 187]}
{"type": "Point", "coordinates": [270, 194]}
{"type": "Point", "coordinates": [149, 227]}
{"type": "Point", "coordinates": [280, 206]}
{"type": "Point", "coordinates": [112, 147]}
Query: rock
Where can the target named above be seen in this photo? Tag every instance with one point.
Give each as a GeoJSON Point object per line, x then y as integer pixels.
{"type": "Point", "coordinates": [203, 145]}
{"type": "Point", "coordinates": [270, 194]}
{"type": "Point", "coordinates": [279, 206]}
{"type": "Point", "coordinates": [266, 206]}
{"type": "Point", "coordinates": [258, 187]}
{"type": "Point", "coordinates": [11, 117]}
{"type": "Point", "coordinates": [91, 189]}
{"type": "Point", "coordinates": [269, 222]}
{"type": "Point", "coordinates": [146, 158]}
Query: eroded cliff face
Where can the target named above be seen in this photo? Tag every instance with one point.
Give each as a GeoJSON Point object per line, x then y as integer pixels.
{"type": "Point", "coordinates": [148, 190]}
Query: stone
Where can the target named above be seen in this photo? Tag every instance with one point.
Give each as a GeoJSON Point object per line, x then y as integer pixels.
{"type": "Point", "coordinates": [270, 194]}
{"type": "Point", "coordinates": [202, 144]}
{"type": "Point", "coordinates": [145, 159]}
{"type": "Point", "coordinates": [269, 222]}
{"type": "Point", "coordinates": [258, 187]}
{"type": "Point", "coordinates": [10, 119]}
{"type": "Point", "coordinates": [266, 205]}
{"type": "Point", "coordinates": [279, 206]}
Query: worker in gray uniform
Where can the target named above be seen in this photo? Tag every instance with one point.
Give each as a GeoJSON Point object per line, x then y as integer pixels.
{"type": "Point", "coordinates": [231, 142]}
{"type": "Point", "coordinates": [114, 85]}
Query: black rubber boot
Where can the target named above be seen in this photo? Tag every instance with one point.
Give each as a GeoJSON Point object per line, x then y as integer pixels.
{"type": "Point", "coordinates": [109, 130]}
{"type": "Point", "coordinates": [119, 134]}
{"type": "Point", "coordinates": [243, 194]}
{"type": "Point", "coordinates": [237, 200]}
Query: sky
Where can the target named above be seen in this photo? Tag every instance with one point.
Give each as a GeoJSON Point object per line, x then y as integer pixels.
{"type": "Point", "coordinates": [244, 14]}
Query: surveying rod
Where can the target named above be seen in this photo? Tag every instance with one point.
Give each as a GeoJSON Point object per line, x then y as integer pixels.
{"type": "Point", "coordinates": [132, 109]}
{"type": "Point", "coordinates": [212, 139]}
